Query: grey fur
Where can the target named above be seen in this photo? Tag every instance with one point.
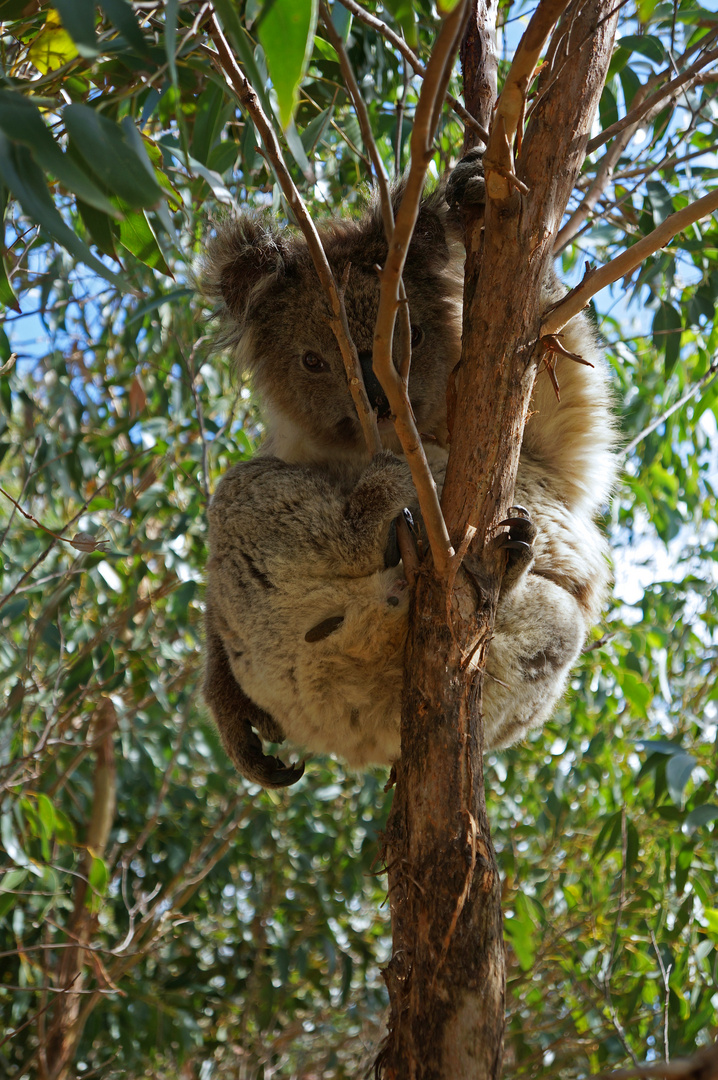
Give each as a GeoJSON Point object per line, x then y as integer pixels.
{"type": "Point", "coordinates": [306, 625]}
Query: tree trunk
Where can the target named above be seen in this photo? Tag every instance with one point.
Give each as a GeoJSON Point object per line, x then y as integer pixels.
{"type": "Point", "coordinates": [446, 977]}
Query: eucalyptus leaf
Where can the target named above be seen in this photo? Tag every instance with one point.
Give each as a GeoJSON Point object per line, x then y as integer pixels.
{"type": "Point", "coordinates": [25, 180]}
{"type": "Point", "coordinates": [678, 772]}
{"type": "Point", "coordinates": [22, 122]}
{"type": "Point", "coordinates": [286, 31]}
{"type": "Point", "coordinates": [107, 151]}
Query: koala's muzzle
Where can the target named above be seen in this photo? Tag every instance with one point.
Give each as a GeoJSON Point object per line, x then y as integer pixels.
{"type": "Point", "coordinates": [377, 397]}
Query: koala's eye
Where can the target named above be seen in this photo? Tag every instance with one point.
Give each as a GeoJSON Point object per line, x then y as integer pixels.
{"type": "Point", "coordinates": [417, 336]}
{"type": "Point", "coordinates": [313, 363]}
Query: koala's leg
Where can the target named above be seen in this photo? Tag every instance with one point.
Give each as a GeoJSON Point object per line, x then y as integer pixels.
{"type": "Point", "coordinates": [236, 715]}
{"type": "Point", "coordinates": [538, 634]}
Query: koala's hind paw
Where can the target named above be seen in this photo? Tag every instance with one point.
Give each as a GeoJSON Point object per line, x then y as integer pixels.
{"type": "Point", "coordinates": [276, 774]}
{"type": "Point", "coordinates": [466, 185]}
{"type": "Point", "coordinates": [518, 544]}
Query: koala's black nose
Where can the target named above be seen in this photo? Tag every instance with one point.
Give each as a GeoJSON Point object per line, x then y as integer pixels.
{"type": "Point", "coordinates": [377, 397]}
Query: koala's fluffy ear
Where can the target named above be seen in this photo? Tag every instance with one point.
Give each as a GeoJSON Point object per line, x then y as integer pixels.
{"type": "Point", "coordinates": [235, 715]}
{"type": "Point", "coordinates": [244, 256]}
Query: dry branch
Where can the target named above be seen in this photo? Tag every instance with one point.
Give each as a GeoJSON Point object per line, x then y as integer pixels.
{"type": "Point", "coordinates": [642, 114]}
{"type": "Point", "coordinates": [659, 99]}
{"type": "Point", "coordinates": [240, 85]}
{"type": "Point", "coordinates": [599, 277]}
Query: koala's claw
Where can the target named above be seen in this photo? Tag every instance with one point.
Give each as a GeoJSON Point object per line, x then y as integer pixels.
{"type": "Point", "coordinates": [521, 528]}
{"type": "Point", "coordinates": [280, 775]}
{"type": "Point", "coordinates": [517, 515]}
{"type": "Point", "coordinates": [466, 185]}
{"type": "Point", "coordinates": [517, 543]}
{"type": "Point", "coordinates": [508, 544]}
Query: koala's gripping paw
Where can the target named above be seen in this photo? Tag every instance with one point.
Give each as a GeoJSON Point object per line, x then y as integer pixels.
{"type": "Point", "coordinates": [260, 768]}
{"type": "Point", "coordinates": [518, 543]}
{"type": "Point", "coordinates": [388, 479]}
{"type": "Point", "coordinates": [466, 185]}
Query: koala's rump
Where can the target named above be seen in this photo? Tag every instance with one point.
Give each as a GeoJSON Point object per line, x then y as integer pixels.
{"type": "Point", "coordinates": [343, 690]}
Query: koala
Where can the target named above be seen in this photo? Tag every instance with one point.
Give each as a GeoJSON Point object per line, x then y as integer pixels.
{"type": "Point", "coordinates": [307, 605]}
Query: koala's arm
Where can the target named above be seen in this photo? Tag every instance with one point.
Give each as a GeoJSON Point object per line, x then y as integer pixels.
{"type": "Point", "coordinates": [275, 522]}
{"type": "Point", "coordinates": [383, 491]}
{"type": "Point", "coordinates": [235, 716]}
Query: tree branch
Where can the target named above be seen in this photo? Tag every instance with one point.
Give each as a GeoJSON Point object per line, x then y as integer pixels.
{"type": "Point", "coordinates": [425, 119]}
{"type": "Point", "coordinates": [701, 1066]}
{"type": "Point", "coordinates": [511, 106]}
{"type": "Point", "coordinates": [599, 277]}
{"type": "Point", "coordinates": [407, 546]}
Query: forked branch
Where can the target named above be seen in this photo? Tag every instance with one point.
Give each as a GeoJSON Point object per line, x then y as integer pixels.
{"type": "Point", "coordinates": [511, 106]}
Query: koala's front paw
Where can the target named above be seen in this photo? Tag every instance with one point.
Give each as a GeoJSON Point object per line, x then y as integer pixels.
{"type": "Point", "coordinates": [466, 185]}
{"type": "Point", "coordinates": [518, 544]}
{"type": "Point", "coordinates": [391, 475]}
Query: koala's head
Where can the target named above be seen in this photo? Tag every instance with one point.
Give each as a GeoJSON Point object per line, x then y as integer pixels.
{"type": "Point", "coordinates": [276, 320]}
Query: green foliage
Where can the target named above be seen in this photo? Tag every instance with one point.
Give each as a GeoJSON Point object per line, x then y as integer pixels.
{"type": "Point", "coordinates": [229, 925]}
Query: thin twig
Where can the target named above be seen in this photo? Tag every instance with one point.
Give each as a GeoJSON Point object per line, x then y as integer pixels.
{"type": "Point", "coordinates": [426, 115]}
{"type": "Point", "coordinates": [44, 554]}
{"type": "Point", "coordinates": [694, 390]}
{"type": "Point", "coordinates": [28, 476]}
{"type": "Point", "coordinates": [660, 97]}
{"type": "Point", "coordinates": [407, 545]}
{"type": "Point", "coordinates": [665, 973]}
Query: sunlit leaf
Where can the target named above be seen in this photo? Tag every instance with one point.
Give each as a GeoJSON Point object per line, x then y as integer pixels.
{"type": "Point", "coordinates": [53, 47]}
{"type": "Point", "coordinates": [136, 234]}
{"type": "Point", "coordinates": [78, 18]}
